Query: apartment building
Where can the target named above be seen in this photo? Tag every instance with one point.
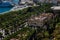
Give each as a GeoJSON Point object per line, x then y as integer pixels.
{"type": "Point", "coordinates": [58, 2]}
{"type": "Point", "coordinates": [47, 1]}
{"type": "Point", "coordinates": [26, 1]}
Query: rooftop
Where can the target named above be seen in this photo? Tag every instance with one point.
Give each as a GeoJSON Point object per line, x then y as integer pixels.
{"type": "Point", "coordinates": [55, 8]}
{"type": "Point", "coordinates": [39, 20]}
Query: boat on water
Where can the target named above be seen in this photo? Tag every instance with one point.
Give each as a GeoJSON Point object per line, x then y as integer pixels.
{"type": "Point", "coordinates": [6, 4]}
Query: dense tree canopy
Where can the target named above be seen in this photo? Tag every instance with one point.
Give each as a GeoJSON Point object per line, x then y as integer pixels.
{"type": "Point", "coordinates": [12, 21]}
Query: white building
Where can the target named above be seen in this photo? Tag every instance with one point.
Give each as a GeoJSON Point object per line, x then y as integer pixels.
{"type": "Point", "coordinates": [55, 8]}
{"type": "Point", "coordinates": [26, 1]}
{"type": "Point", "coordinates": [47, 1]}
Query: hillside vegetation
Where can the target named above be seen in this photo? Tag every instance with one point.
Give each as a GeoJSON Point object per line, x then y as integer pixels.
{"type": "Point", "coordinates": [14, 22]}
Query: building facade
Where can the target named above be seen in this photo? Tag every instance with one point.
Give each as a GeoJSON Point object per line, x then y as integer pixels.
{"type": "Point", "coordinates": [47, 1]}
{"type": "Point", "coordinates": [26, 1]}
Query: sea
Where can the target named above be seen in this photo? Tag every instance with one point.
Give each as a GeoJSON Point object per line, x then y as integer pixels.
{"type": "Point", "coordinates": [4, 9]}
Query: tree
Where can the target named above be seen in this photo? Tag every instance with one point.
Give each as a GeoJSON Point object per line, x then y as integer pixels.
{"type": "Point", "coordinates": [56, 33]}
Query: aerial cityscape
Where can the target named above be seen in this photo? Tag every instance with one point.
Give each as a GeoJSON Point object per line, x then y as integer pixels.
{"type": "Point", "coordinates": [29, 19]}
